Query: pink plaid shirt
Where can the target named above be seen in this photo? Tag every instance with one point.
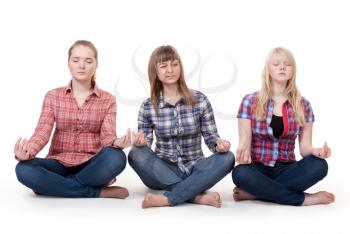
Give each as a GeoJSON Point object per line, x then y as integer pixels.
{"type": "Point", "coordinates": [79, 132]}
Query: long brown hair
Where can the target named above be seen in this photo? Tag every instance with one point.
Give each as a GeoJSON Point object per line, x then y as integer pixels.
{"type": "Point", "coordinates": [164, 54]}
{"type": "Point", "coordinates": [292, 90]}
{"type": "Point", "coordinates": [90, 45]}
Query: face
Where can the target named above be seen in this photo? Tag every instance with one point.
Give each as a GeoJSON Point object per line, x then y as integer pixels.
{"type": "Point", "coordinates": [82, 63]}
{"type": "Point", "coordinates": [280, 68]}
{"type": "Point", "coordinates": [169, 72]}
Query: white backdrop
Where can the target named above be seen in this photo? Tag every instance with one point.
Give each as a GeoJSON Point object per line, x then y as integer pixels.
{"type": "Point", "coordinates": [223, 45]}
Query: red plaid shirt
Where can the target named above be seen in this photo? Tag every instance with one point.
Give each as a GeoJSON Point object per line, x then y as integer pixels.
{"type": "Point", "coordinates": [265, 148]}
{"type": "Point", "coordinates": [79, 132]}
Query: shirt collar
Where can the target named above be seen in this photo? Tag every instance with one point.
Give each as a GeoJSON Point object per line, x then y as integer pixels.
{"type": "Point", "coordinates": [96, 91]}
{"type": "Point", "coordinates": [163, 103]}
{"type": "Point", "coordinates": [270, 101]}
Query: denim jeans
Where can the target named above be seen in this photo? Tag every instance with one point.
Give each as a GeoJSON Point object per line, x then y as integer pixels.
{"type": "Point", "coordinates": [284, 183]}
{"type": "Point", "coordinates": [49, 177]}
{"type": "Point", "coordinates": [159, 174]}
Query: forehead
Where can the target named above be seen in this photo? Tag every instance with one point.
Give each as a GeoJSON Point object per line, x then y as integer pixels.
{"type": "Point", "coordinates": [280, 56]}
{"type": "Point", "coordinates": [167, 61]}
{"type": "Point", "coordinates": [82, 51]}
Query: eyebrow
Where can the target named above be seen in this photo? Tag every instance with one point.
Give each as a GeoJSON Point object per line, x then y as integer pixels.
{"type": "Point", "coordinates": [77, 57]}
{"type": "Point", "coordinates": [280, 60]}
{"type": "Point", "coordinates": [171, 61]}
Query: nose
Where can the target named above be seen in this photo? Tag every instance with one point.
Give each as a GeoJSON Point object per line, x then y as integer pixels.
{"type": "Point", "coordinates": [170, 69]}
{"type": "Point", "coordinates": [81, 64]}
{"type": "Point", "coordinates": [283, 67]}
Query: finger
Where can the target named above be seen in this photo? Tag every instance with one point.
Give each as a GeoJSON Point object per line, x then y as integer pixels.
{"type": "Point", "coordinates": [221, 147]}
{"type": "Point", "coordinates": [249, 160]}
{"type": "Point", "coordinates": [142, 136]}
{"type": "Point", "coordinates": [120, 141]}
{"type": "Point", "coordinates": [17, 144]}
{"type": "Point", "coordinates": [322, 152]}
{"type": "Point", "coordinates": [225, 143]}
{"type": "Point", "coordinates": [116, 142]}
{"type": "Point", "coordinates": [144, 139]}
{"type": "Point", "coordinates": [27, 154]}
{"type": "Point", "coordinates": [245, 156]}
{"type": "Point", "coordinates": [239, 155]}
{"type": "Point", "coordinates": [325, 148]}
{"type": "Point", "coordinates": [127, 134]}
{"type": "Point", "coordinates": [327, 152]}
{"type": "Point", "coordinates": [133, 137]}
{"type": "Point", "coordinates": [226, 147]}
{"type": "Point", "coordinates": [124, 140]}
{"type": "Point", "coordinates": [137, 138]}
{"type": "Point", "coordinates": [23, 145]}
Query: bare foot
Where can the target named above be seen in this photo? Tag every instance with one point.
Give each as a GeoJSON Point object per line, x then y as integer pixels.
{"type": "Point", "coordinates": [321, 197]}
{"type": "Point", "coordinates": [155, 200]}
{"type": "Point", "coordinates": [210, 199]}
{"type": "Point", "coordinates": [112, 181]}
{"type": "Point", "coordinates": [240, 195]}
{"type": "Point", "coordinates": [114, 192]}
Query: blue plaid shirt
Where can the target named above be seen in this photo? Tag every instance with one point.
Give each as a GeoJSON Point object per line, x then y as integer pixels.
{"type": "Point", "coordinates": [178, 129]}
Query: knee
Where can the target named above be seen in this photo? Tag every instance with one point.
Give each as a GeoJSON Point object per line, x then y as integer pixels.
{"type": "Point", "coordinates": [240, 174]}
{"type": "Point", "coordinates": [24, 171]}
{"type": "Point", "coordinates": [115, 158]}
{"type": "Point", "coordinates": [138, 154]}
{"type": "Point", "coordinates": [318, 166]}
{"type": "Point", "coordinates": [229, 158]}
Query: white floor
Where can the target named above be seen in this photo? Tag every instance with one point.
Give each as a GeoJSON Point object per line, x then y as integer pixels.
{"type": "Point", "coordinates": [24, 212]}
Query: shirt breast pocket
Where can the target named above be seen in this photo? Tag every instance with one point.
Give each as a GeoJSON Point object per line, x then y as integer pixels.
{"type": "Point", "coordinates": [164, 127]}
{"type": "Point", "coordinates": [260, 128]}
{"type": "Point", "coordinates": [190, 124]}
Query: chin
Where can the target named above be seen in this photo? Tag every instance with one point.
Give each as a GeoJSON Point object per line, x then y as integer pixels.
{"type": "Point", "coordinates": [82, 79]}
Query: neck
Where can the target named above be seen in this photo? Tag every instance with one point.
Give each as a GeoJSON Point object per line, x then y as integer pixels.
{"type": "Point", "coordinates": [81, 86]}
{"type": "Point", "coordinates": [279, 89]}
{"type": "Point", "coordinates": [170, 90]}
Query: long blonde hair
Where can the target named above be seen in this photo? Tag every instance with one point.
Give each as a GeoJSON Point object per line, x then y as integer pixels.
{"type": "Point", "coordinates": [292, 91]}
{"type": "Point", "coordinates": [90, 45]}
{"type": "Point", "coordinates": [164, 54]}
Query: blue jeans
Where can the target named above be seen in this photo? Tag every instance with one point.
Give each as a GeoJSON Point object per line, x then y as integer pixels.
{"type": "Point", "coordinates": [284, 183]}
{"type": "Point", "coordinates": [159, 174]}
{"type": "Point", "coordinates": [49, 177]}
